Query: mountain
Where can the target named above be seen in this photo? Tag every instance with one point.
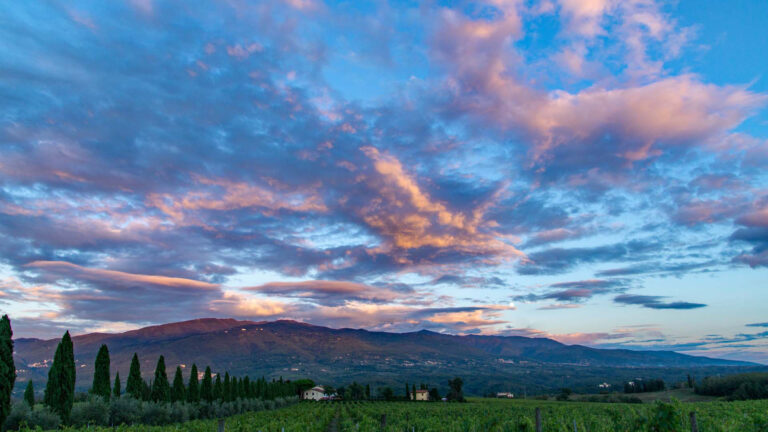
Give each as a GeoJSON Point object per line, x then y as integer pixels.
{"type": "Point", "coordinates": [293, 349]}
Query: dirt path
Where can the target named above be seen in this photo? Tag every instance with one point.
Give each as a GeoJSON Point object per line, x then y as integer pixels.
{"type": "Point", "coordinates": [333, 426]}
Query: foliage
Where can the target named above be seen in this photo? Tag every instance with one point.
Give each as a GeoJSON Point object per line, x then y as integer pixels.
{"type": "Point", "coordinates": [94, 411]}
{"type": "Point", "coordinates": [491, 415]}
{"type": "Point", "coordinates": [60, 388]}
{"type": "Point", "coordinates": [7, 367]}
{"type": "Point", "coordinates": [161, 390]}
{"type": "Point", "coordinates": [193, 389]}
{"type": "Point", "coordinates": [135, 385]}
{"type": "Point", "coordinates": [101, 374]}
{"type": "Point", "coordinates": [455, 394]}
{"type": "Point", "coordinates": [116, 390]}
{"type": "Point", "coordinates": [178, 390]}
{"type": "Point", "coordinates": [643, 386]}
{"type": "Point", "coordinates": [29, 394]}
{"type": "Point", "coordinates": [736, 387]}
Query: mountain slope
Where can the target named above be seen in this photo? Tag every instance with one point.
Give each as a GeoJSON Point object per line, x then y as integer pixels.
{"type": "Point", "coordinates": [296, 349]}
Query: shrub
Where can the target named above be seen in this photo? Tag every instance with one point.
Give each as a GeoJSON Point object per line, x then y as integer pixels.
{"type": "Point", "coordinates": [19, 415]}
{"type": "Point", "coordinates": [44, 418]}
{"type": "Point", "coordinates": [93, 412]}
{"type": "Point", "coordinates": [179, 412]}
{"type": "Point", "coordinates": [155, 413]}
{"type": "Point", "coordinates": [124, 410]}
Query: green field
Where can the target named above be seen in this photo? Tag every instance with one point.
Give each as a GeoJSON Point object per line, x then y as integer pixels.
{"type": "Point", "coordinates": [485, 415]}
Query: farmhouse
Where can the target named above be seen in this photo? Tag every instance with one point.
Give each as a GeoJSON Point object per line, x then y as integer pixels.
{"type": "Point", "coordinates": [507, 395]}
{"type": "Point", "coordinates": [420, 395]}
{"type": "Point", "coordinates": [315, 393]}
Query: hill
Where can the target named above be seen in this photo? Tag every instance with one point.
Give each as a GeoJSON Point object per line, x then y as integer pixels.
{"type": "Point", "coordinates": [293, 349]}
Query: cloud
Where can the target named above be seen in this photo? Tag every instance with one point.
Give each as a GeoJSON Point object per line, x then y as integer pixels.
{"type": "Point", "coordinates": [574, 292]}
{"type": "Point", "coordinates": [332, 292]}
{"type": "Point", "coordinates": [560, 260]}
{"type": "Point", "coordinates": [763, 324]}
{"type": "Point", "coordinates": [68, 270]}
{"type": "Point", "coordinates": [654, 302]}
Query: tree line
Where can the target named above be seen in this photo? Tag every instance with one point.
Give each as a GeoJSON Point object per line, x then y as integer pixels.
{"type": "Point", "coordinates": [735, 387]}
{"type": "Point", "coordinates": [206, 389]}
{"type": "Point", "coordinates": [644, 386]}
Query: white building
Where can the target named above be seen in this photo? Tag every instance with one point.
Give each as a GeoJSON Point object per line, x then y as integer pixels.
{"type": "Point", "coordinates": [315, 393]}
{"type": "Point", "coordinates": [420, 395]}
{"type": "Point", "coordinates": [506, 395]}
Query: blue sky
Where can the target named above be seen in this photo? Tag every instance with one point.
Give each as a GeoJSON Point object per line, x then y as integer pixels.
{"type": "Point", "coordinates": [590, 171]}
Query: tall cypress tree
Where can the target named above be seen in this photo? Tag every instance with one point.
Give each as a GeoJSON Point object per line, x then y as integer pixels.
{"type": "Point", "coordinates": [247, 388]}
{"type": "Point", "coordinates": [218, 392]}
{"type": "Point", "coordinates": [161, 390]}
{"type": "Point", "coordinates": [206, 389]}
{"type": "Point", "coordinates": [135, 385]}
{"type": "Point", "coordinates": [60, 388]}
{"type": "Point", "coordinates": [227, 388]}
{"type": "Point", "coordinates": [116, 389]}
{"type": "Point", "coordinates": [29, 394]}
{"type": "Point", "coordinates": [101, 374]}
{"type": "Point", "coordinates": [193, 390]}
{"type": "Point", "coordinates": [7, 368]}
{"type": "Point", "coordinates": [178, 391]}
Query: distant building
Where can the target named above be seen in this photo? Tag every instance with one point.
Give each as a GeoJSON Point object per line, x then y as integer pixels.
{"type": "Point", "coordinates": [420, 395]}
{"type": "Point", "coordinates": [504, 395]}
{"type": "Point", "coordinates": [315, 393]}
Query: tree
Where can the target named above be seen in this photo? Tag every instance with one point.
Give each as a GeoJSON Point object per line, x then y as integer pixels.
{"type": "Point", "coordinates": [101, 374]}
{"type": "Point", "coordinates": [7, 367]}
{"type": "Point", "coordinates": [60, 388]}
{"type": "Point", "coordinates": [434, 395]}
{"type": "Point", "coordinates": [135, 385]}
{"type": "Point", "coordinates": [116, 389]}
{"type": "Point", "coordinates": [413, 392]}
{"type": "Point", "coordinates": [178, 391]}
{"type": "Point", "coordinates": [407, 392]}
{"type": "Point", "coordinates": [206, 389]}
{"type": "Point", "coordinates": [218, 389]}
{"type": "Point", "coordinates": [386, 393]}
{"type": "Point", "coordinates": [227, 388]}
{"type": "Point", "coordinates": [193, 390]}
{"type": "Point", "coordinates": [161, 390]}
{"type": "Point", "coordinates": [565, 393]}
{"type": "Point", "coordinates": [455, 393]}
{"type": "Point", "coordinates": [29, 394]}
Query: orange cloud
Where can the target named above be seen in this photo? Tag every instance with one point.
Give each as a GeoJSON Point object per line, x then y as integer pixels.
{"type": "Point", "coordinates": [226, 195]}
{"type": "Point", "coordinates": [66, 269]}
{"type": "Point", "coordinates": [408, 217]}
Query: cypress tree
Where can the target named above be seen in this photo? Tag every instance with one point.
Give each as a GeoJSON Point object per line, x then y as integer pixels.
{"type": "Point", "coordinates": [161, 390]}
{"type": "Point", "coordinates": [407, 390]}
{"type": "Point", "coordinates": [218, 393]}
{"type": "Point", "coordinates": [101, 374]}
{"type": "Point", "coordinates": [236, 385]}
{"type": "Point", "coordinates": [135, 385]}
{"type": "Point", "coordinates": [247, 388]}
{"type": "Point", "coordinates": [193, 390]}
{"type": "Point", "coordinates": [414, 392]}
{"type": "Point", "coordinates": [29, 394]}
{"type": "Point", "coordinates": [206, 389]}
{"type": "Point", "coordinates": [7, 368]}
{"type": "Point", "coordinates": [178, 391]}
{"type": "Point", "coordinates": [116, 389]}
{"type": "Point", "coordinates": [367, 391]}
{"type": "Point", "coordinates": [227, 387]}
{"type": "Point", "coordinates": [60, 388]}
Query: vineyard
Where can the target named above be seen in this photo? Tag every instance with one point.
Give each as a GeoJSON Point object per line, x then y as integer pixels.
{"type": "Point", "coordinates": [485, 415]}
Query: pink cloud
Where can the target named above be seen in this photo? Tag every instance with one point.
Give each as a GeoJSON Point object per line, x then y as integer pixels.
{"type": "Point", "coordinates": [74, 271]}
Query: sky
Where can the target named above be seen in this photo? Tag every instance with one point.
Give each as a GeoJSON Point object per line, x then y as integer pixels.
{"type": "Point", "coordinates": [593, 171]}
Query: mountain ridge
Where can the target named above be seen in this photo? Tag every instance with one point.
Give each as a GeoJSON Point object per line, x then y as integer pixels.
{"type": "Point", "coordinates": [295, 349]}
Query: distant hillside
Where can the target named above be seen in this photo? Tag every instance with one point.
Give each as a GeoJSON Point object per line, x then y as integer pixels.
{"type": "Point", "coordinates": [292, 349]}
